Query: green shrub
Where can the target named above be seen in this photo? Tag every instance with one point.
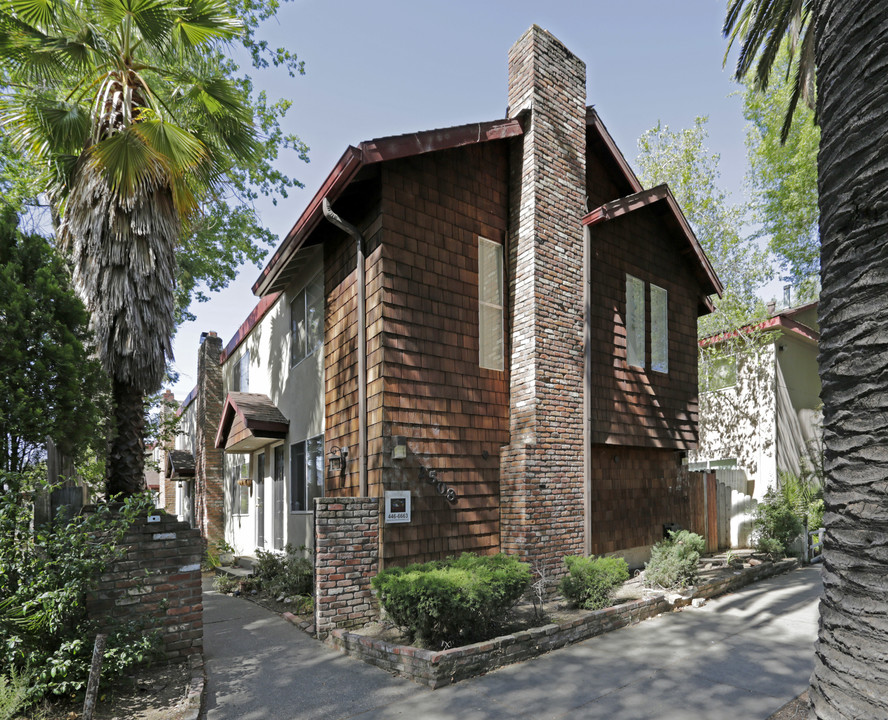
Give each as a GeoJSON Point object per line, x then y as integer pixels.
{"type": "Point", "coordinates": [776, 524]}
{"type": "Point", "coordinates": [289, 573]}
{"type": "Point", "coordinates": [46, 573]}
{"type": "Point", "coordinates": [225, 583]}
{"type": "Point", "coordinates": [674, 561]}
{"type": "Point", "coordinates": [13, 695]}
{"type": "Point", "coordinates": [591, 581]}
{"type": "Point", "coordinates": [453, 601]}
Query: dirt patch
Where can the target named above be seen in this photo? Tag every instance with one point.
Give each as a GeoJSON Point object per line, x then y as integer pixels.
{"type": "Point", "coordinates": [151, 693]}
{"type": "Point", "coordinates": [794, 710]}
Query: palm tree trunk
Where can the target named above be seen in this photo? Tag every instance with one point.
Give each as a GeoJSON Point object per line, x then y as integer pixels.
{"type": "Point", "coordinates": [126, 457]}
{"type": "Point", "coordinates": [850, 678]}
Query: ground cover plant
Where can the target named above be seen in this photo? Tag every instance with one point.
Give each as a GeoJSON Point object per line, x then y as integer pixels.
{"type": "Point", "coordinates": [46, 573]}
{"type": "Point", "coordinates": [455, 601]}
{"type": "Point", "coordinates": [591, 581]}
{"type": "Point", "coordinates": [674, 560]}
{"type": "Point", "coordinates": [776, 524]}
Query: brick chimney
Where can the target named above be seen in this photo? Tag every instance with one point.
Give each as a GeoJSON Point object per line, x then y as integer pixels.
{"type": "Point", "coordinates": [541, 474]}
{"type": "Point", "coordinates": [208, 476]}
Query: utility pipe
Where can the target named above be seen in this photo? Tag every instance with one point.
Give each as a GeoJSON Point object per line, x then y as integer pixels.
{"type": "Point", "coordinates": [362, 342]}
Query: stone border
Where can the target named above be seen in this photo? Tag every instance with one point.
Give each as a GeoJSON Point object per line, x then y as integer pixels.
{"type": "Point", "coordinates": [443, 667]}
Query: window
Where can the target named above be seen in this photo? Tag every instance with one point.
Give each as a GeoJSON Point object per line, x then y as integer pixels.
{"type": "Point", "coordinates": [634, 321]}
{"type": "Point", "coordinates": [241, 505]}
{"type": "Point", "coordinates": [307, 320]}
{"type": "Point", "coordinates": [635, 325]}
{"type": "Point", "coordinates": [240, 373]}
{"type": "Point", "coordinates": [306, 473]}
{"type": "Point", "coordinates": [659, 330]}
{"type": "Point", "coordinates": [718, 373]}
{"type": "Point", "coordinates": [490, 304]}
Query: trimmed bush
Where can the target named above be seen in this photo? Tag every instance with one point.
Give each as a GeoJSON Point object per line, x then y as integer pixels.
{"type": "Point", "coordinates": [454, 601]}
{"type": "Point", "coordinates": [674, 561]}
{"type": "Point", "coordinates": [591, 581]}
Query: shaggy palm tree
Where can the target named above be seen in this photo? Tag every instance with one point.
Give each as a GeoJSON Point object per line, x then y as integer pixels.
{"type": "Point", "coordinates": [762, 26]}
{"type": "Point", "coordinates": [125, 105]}
{"type": "Point", "coordinates": [850, 677]}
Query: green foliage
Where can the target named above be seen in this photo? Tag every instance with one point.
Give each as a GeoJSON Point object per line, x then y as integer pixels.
{"type": "Point", "coordinates": [453, 601]}
{"type": "Point", "coordinates": [674, 561]}
{"type": "Point", "coordinates": [46, 573]}
{"type": "Point", "coordinates": [783, 179]}
{"type": "Point", "coordinates": [13, 695]}
{"type": "Point", "coordinates": [225, 583]}
{"type": "Point", "coordinates": [682, 160]}
{"type": "Point", "coordinates": [776, 524]}
{"type": "Point", "coordinates": [289, 573]}
{"type": "Point", "coordinates": [49, 384]}
{"type": "Point", "coordinates": [591, 581]}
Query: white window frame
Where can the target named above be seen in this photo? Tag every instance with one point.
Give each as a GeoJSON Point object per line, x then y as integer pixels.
{"type": "Point", "coordinates": [240, 503]}
{"type": "Point", "coordinates": [491, 340]}
{"type": "Point", "coordinates": [301, 304]}
{"type": "Point", "coordinates": [312, 452]}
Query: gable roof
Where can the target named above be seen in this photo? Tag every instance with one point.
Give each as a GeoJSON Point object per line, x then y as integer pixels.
{"type": "Point", "coordinates": [594, 123]}
{"type": "Point", "coordinates": [179, 463]}
{"type": "Point", "coordinates": [662, 194]}
{"type": "Point", "coordinates": [249, 421]}
{"type": "Point", "coordinates": [367, 153]}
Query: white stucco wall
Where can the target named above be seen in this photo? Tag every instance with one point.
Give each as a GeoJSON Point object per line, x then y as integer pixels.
{"type": "Point", "coordinates": [298, 392]}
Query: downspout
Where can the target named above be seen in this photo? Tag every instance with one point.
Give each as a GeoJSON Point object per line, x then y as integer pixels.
{"type": "Point", "coordinates": [587, 391]}
{"type": "Point", "coordinates": [362, 342]}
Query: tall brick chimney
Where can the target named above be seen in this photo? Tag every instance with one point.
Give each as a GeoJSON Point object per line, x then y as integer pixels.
{"type": "Point", "coordinates": [541, 478]}
{"type": "Point", "coordinates": [208, 477]}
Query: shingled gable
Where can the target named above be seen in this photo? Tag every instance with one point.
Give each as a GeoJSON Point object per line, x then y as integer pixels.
{"type": "Point", "coordinates": [179, 464]}
{"type": "Point", "coordinates": [709, 282]}
{"type": "Point", "coordinates": [369, 153]}
{"type": "Point", "coordinates": [249, 421]}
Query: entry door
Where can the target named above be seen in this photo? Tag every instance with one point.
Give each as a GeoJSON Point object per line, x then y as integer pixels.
{"type": "Point", "coordinates": [278, 518]}
{"type": "Point", "coordinates": [260, 500]}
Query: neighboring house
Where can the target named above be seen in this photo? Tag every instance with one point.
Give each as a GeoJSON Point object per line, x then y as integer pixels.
{"type": "Point", "coordinates": [760, 404]}
{"type": "Point", "coordinates": [514, 348]}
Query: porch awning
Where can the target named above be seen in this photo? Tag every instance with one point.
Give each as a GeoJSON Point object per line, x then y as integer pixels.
{"type": "Point", "coordinates": [179, 464]}
{"type": "Point", "coordinates": [249, 421]}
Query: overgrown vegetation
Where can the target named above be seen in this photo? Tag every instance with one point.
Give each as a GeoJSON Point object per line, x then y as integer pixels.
{"type": "Point", "coordinates": [287, 574]}
{"type": "Point", "coordinates": [675, 560]}
{"type": "Point", "coordinates": [591, 581]}
{"type": "Point", "coordinates": [455, 601]}
{"type": "Point", "coordinates": [46, 573]}
{"type": "Point", "coordinates": [777, 522]}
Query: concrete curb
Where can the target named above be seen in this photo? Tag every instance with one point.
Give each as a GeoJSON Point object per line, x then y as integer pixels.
{"type": "Point", "coordinates": [194, 695]}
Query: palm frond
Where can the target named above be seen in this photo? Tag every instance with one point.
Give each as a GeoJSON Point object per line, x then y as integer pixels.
{"type": "Point", "coordinates": [130, 166]}
{"type": "Point", "coordinates": [205, 21]}
{"type": "Point", "coordinates": [154, 19]}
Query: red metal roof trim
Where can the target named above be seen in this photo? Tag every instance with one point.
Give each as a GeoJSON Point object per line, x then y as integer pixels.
{"type": "Point", "coordinates": [778, 322]}
{"type": "Point", "coordinates": [661, 193]}
{"type": "Point", "coordinates": [253, 319]}
{"type": "Point", "coordinates": [367, 153]}
{"type": "Point", "coordinates": [187, 401]}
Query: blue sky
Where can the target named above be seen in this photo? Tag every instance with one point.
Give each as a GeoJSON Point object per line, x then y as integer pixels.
{"type": "Point", "coordinates": [387, 67]}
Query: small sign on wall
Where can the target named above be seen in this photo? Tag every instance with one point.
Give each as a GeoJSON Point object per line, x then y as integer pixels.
{"type": "Point", "coordinates": [397, 506]}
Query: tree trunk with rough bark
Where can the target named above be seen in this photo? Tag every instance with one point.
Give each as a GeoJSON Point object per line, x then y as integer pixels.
{"type": "Point", "coordinates": [126, 455]}
{"type": "Point", "coordinates": [850, 678]}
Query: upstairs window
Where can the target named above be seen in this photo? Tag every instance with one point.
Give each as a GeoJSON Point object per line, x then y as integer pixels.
{"type": "Point", "coordinates": [490, 304]}
{"type": "Point", "coordinates": [636, 330]}
{"type": "Point", "coordinates": [307, 320]}
{"type": "Point", "coordinates": [634, 321]}
{"type": "Point", "coordinates": [659, 329]}
{"type": "Point", "coordinates": [240, 377]}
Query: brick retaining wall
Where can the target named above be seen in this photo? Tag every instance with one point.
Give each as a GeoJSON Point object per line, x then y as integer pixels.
{"type": "Point", "coordinates": [156, 582]}
{"type": "Point", "coordinates": [346, 558]}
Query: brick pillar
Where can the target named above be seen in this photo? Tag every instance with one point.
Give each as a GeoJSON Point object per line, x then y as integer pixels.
{"type": "Point", "coordinates": [208, 477]}
{"type": "Point", "coordinates": [541, 481]}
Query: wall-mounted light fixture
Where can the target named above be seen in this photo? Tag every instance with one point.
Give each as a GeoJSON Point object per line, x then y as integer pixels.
{"type": "Point", "coordinates": [338, 460]}
{"type": "Point", "coordinates": [399, 447]}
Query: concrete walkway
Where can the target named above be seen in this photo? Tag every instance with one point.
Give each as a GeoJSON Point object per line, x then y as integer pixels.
{"type": "Point", "coordinates": [743, 655]}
